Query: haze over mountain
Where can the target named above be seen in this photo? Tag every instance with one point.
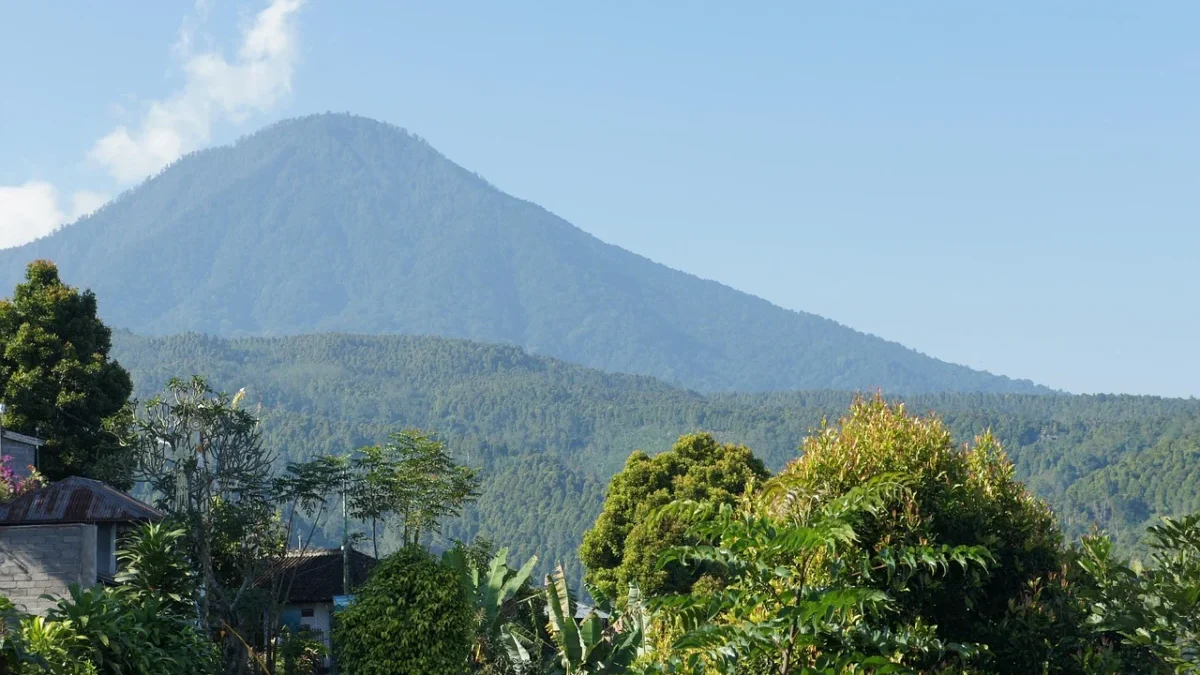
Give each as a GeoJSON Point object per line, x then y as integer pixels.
{"type": "Point", "coordinates": [341, 223]}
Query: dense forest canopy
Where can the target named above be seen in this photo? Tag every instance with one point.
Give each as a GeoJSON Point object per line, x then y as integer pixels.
{"type": "Point", "coordinates": [549, 435]}
{"type": "Point", "coordinates": [341, 223]}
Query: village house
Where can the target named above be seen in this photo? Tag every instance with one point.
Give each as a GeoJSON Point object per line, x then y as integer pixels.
{"type": "Point", "coordinates": [62, 534]}
{"type": "Point", "coordinates": [312, 582]}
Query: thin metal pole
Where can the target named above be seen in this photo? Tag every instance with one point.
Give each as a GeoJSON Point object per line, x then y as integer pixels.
{"type": "Point", "coordinates": [345, 545]}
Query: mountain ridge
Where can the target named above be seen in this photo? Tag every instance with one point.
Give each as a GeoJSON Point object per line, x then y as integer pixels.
{"type": "Point", "coordinates": [337, 223]}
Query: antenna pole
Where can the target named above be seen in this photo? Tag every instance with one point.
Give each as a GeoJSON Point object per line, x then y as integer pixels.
{"type": "Point", "coordinates": [345, 545]}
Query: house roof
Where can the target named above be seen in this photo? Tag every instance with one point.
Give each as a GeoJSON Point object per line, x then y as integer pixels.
{"type": "Point", "coordinates": [75, 500]}
{"type": "Point", "coordinates": [318, 573]}
{"type": "Point", "coordinates": [21, 438]}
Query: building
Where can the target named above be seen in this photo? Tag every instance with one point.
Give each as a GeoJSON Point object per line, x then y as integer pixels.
{"type": "Point", "coordinates": [311, 582]}
{"type": "Point", "coordinates": [23, 449]}
{"type": "Point", "coordinates": [65, 533]}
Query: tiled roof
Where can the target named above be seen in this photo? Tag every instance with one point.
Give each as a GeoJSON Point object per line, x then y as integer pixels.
{"type": "Point", "coordinates": [318, 573]}
{"type": "Point", "coordinates": [75, 500]}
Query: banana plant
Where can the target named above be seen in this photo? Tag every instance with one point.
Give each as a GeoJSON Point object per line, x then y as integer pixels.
{"type": "Point", "coordinates": [605, 641]}
{"type": "Point", "coordinates": [488, 592]}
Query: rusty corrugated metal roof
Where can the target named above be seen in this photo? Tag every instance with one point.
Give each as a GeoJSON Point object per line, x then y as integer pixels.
{"type": "Point", "coordinates": [75, 500]}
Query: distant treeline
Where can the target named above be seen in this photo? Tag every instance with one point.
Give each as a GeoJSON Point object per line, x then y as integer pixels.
{"type": "Point", "coordinates": [548, 434]}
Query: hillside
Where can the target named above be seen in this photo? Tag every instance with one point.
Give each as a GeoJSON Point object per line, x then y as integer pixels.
{"type": "Point", "coordinates": [340, 223]}
{"type": "Point", "coordinates": [549, 434]}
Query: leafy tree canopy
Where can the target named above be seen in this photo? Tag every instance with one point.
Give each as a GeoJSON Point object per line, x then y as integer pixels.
{"type": "Point", "coordinates": [954, 496]}
{"type": "Point", "coordinates": [412, 617]}
{"type": "Point", "coordinates": [57, 379]}
{"type": "Point", "coordinates": [625, 543]}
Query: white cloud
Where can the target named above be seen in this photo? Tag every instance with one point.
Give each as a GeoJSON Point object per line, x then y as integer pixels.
{"type": "Point", "coordinates": [32, 210]}
{"type": "Point", "coordinates": [215, 89]}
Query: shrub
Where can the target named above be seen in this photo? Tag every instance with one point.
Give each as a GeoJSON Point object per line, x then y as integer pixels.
{"type": "Point", "coordinates": [411, 617]}
{"type": "Point", "coordinates": [119, 633]}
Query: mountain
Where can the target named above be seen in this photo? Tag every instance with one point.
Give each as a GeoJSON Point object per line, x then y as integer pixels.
{"type": "Point", "coordinates": [335, 223]}
{"type": "Point", "coordinates": [547, 435]}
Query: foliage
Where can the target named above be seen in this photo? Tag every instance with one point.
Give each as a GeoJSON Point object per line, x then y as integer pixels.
{"type": "Point", "coordinates": [154, 564]}
{"type": "Point", "coordinates": [493, 594]}
{"type": "Point", "coordinates": [547, 435]}
{"type": "Point", "coordinates": [625, 544]}
{"type": "Point", "coordinates": [12, 486]}
{"type": "Point", "coordinates": [53, 648]}
{"type": "Point", "coordinates": [336, 222]}
{"type": "Point", "coordinates": [57, 379]}
{"type": "Point", "coordinates": [146, 625]}
{"type": "Point", "coordinates": [605, 640]}
{"type": "Point", "coordinates": [118, 634]}
{"type": "Point", "coordinates": [203, 457]}
{"type": "Point", "coordinates": [954, 497]}
{"type": "Point", "coordinates": [13, 647]}
{"type": "Point", "coordinates": [802, 595]}
{"type": "Point", "coordinates": [1154, 610]}
{"type": "Point", "coordinates": [412, 477]}
{"type": "Point", "coordinates": [411, 616]}
{"type": "Point", "coordinates": [300, 653]}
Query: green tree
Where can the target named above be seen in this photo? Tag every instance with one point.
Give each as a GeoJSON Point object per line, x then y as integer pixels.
{"type": "Point", "coordinates": [955, 497]}
{"type": "Point", "coordinates": [1154, 611]}
{"type": "Point", "coordinates": [203, 456]}
{"type": "Point", "coordinates": [412, 617]}
{"type": "Point", "coordinates": [57, 379]}
{"type": "Point", "coordinates": [414, 478]}
{"type": "Point", "coordinates": [801, 596]}
{"type": "Point", "coordinates": [625, 544]}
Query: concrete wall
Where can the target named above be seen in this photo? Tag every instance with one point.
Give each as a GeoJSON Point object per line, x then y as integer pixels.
{"type": "Point", "coordinates": [319, 621]}
{"type": "Point", "coordinates": [23, 455]}
{"type": "Point", "coordinates": [45, 559]}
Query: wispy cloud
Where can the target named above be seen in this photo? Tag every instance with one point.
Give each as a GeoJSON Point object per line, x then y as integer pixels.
{"type": "Point", "coordinates": [215, 89]}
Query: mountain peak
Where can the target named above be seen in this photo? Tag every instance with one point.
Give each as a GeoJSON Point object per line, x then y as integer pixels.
{"type": "Point", "coordinates": [335, 222]}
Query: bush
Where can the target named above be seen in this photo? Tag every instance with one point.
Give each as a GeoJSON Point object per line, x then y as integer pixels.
{"type": "Point", "coordinates": [119, 633]}
{"type": "Point", "coordinates": [411, 617]}
{"type": "Point", "coordinates": [954, 496]}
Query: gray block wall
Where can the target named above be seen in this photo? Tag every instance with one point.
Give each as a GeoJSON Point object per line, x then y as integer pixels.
{"type": "Point", "coordinates": [23, 455]}
{"type": "Point", "coordinates": [36, 560]}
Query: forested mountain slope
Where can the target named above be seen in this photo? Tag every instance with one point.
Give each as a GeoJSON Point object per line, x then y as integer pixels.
{"type": "Point", "coordinates": [340, 223]}
{"type": "Point", "coordinates": [549, 434]}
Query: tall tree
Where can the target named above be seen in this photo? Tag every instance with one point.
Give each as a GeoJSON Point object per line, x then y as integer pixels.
{"type": "Point", "coordinates": [204, 458]}
{"type": "Point", "coordinates": [413, 478]}
{"type": "Point", "coordinates": [57, 379]}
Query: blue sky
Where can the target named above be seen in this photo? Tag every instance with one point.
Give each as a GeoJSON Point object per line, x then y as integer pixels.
{"type": "Point", "coordinates": [1014, 186]}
